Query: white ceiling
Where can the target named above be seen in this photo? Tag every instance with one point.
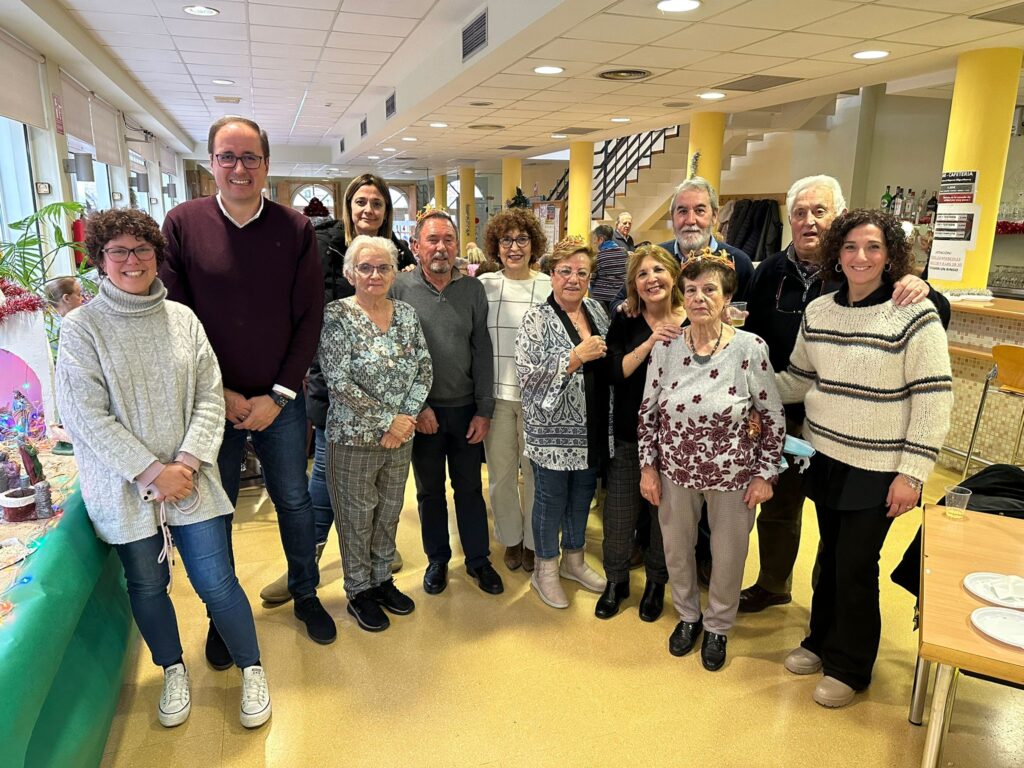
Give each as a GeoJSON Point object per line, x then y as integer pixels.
{"type": "Point", "coordinates": [310, 70]}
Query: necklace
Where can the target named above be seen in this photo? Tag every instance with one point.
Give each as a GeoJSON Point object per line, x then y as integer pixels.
{"type": "Point", "coordinates": [578, 321]}
{"type": "Point", "coordinates": [702, 359]}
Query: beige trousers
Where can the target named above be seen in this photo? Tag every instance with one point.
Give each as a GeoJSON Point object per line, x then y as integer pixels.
{"type": "Point", "coordinates": [511, 506]}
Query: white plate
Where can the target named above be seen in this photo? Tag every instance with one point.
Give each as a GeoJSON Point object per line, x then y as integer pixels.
{"type": "Point", "coordinates": [980, 583]}
{"type": "Point", "coordinates": [1001, 624]}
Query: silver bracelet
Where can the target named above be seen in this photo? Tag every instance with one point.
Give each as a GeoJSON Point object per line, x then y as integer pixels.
{"type": "Point", "coordinates": [913, 482]}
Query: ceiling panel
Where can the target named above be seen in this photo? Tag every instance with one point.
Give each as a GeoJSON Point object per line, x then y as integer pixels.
{"type": "Point", "coordinates": [360, 24]}
{"type": "Point", "coordinates": [414, 9]}
{"type": "Point", "coordinates": [715, 37]}
{"type": "Point", "coordinates": [207, 29]}
{"type": "Point", "coordinates": [873, 20]}
{"type": "Point", "coordinates": [363, 42]}
{"type": "Point", "coordinates": [797, 44]}
{"type": "Point", "coordinates": [236, 47]}
{"type": "Point", "coordinates": [305, 18]}
{"type": "Point", "coordinates": [951, 31]}
{"type": "Point", "coordinates": [287, 35]}
{"type": "Point", "coordinates": [124, 23]}
{"type": "Point", "coordinates": [782, 14]}
{"type": "Point", "coordinates": [230, 11]}
{"type": "Point", "coordinates": [654, 56]}
{"type": "Point", "coordinates": [606, 26]}
{"type": "Point", "coordinates": [355, 56]}
{"type": "Point", "coordinates": [579, 50]}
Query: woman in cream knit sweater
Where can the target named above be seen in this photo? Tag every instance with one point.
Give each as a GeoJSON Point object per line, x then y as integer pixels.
{"type": "Point", "coordinates": [876, 382]}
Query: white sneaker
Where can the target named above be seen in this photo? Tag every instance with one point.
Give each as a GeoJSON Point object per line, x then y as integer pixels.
{"type": "Point", "coordinates": [255, 709]}
{"type": "Point", "coordinates": [800, 661]}
{"type": "Point", "coordinates": [176, 699]}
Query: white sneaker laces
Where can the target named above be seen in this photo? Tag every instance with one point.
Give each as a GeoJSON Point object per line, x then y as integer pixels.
{"type": "Point", "coordinates": [176, 694]}
{"type": "Point", "coordinates": [254, 689]}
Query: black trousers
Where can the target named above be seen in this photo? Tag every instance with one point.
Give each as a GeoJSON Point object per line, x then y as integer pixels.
{"type": "Point", "coordinates": [846, 622]}
{"type": "Point", "coordinates": [430, 454]}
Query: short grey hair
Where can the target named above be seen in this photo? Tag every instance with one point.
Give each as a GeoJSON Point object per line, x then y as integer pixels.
{"type": "Point", "coordinates": [700, 184]}
{"type": "Point", "coordinates": [618, 219]}
{"type": "Point", "coordinates": [368, 243]}
{"type": "Point", "coordinates": [809, 182]}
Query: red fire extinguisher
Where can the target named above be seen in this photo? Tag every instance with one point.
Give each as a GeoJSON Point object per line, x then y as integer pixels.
{"type": "Point", "coordinates": [78, 236]}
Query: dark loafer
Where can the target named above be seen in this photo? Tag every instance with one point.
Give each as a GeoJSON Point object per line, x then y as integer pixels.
{"type": "Point", "coordinates": [756, 598]}
{"type": "Point", "coordinates": [217, 654]}
{"type": "Point", "coordinates": [609, 602]}
{"type": "Point", "coordinates": [684, 636]}
{"type": "Point", "coordinates": [712, 651]}
{"type": "Point", "coordinates": [487, 578]}
{"type": "Point", "coordinates": [436, 578]}
{"type": "Point", "coordinates": [653, 601]}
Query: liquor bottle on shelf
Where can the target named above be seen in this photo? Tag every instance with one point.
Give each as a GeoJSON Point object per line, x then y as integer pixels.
{"type": "Point", "coordinates": [897, 203]}
{"type": "Point", "coordinates": [886, 199]}
{"type": "Point", "coordinates": [933, 204]}
{"type": "Point", "coordinates": [910, 206]}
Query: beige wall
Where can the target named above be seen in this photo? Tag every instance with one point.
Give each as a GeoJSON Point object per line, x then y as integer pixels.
{"type": "Point", "coordinates": [543, 173]}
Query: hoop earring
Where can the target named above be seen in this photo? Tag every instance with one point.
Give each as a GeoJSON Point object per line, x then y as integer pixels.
{"type": "Point", "coordinates": [838, 268]}
{"type": "Point", "coordinates": [888, 266]}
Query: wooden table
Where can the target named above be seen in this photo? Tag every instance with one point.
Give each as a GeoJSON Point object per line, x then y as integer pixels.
{"type": "Point", "coordinates": [952, 549]}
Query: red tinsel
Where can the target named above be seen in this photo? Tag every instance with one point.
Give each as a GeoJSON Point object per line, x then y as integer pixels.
{"type": "Point", "coordinates": [1010, 227]}
{"type": "Point", "coordinates": [18, 300]}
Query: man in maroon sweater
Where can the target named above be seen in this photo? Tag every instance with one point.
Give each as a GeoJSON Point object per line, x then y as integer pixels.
{"type": "Point", "coordinates": [249, 269]}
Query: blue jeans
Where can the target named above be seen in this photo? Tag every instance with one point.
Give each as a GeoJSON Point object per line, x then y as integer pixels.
{"type": "Point", "coordinates": [281, 448]}
{"type": "Point", "coordinates": [561, 500]}
{"type": "Point", "coordinates": [323, 513]}
{"type": "Point", "coordinates": [204, 551]}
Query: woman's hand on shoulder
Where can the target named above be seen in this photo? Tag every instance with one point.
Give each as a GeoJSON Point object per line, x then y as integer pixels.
{"type": "Point", "coordinates": [665, 331]}
{"type": "Point", "coordinates": [910, 289]}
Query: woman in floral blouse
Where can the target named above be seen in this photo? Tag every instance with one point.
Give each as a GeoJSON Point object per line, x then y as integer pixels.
{"type": "Point", "coordinates": [698, 444]}
{"type": "Point", "coordinates": [378, 371]}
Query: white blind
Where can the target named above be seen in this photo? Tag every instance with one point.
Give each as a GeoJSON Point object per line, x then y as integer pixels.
{"type": "Point", "coordinates": [77, 118]}
{"type": "Point", "coordinates": [21, 97]}
{"type": "Point", "coordinates": [106, 130]}
{"type": "Point", "coordinates": [168, 160]}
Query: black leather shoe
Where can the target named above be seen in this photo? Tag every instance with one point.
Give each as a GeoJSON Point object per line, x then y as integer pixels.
{"type": "Point", "coordinates": [653, 601]}
{"type": "Point", "coordinates": [365, 610]}
{"type": "Point", "coordinates": [387, 596]}
{"type": "Point", "coordinates": [319, 624]}
{"type": "Point", "coordinates": [217, 654]}
{"type": "Point", "coordinates": [436, 578]}
{"type": "Point", "coordinates": [756, 598]}
{"type": "Point", "coordinates": [608, 604]}
{"type": "Point", "coordinates": [487, 578]}
{"type": "Point", "coordinates": [684, 637]}
{"type": "Point", "coordinates": [712, 651]}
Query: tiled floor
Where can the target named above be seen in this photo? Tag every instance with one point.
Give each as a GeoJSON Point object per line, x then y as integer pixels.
{"type": "Point", "coordinates": [475, 680]}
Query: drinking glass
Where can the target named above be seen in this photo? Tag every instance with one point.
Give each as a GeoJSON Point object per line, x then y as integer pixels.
{"type": "Point", "coordinates": [956, 501]}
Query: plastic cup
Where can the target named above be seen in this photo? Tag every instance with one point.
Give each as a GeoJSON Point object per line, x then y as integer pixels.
{"type": "Point", "coordinates": [956, 501]}
{"type": "Point", "coordinates": [737, 313]}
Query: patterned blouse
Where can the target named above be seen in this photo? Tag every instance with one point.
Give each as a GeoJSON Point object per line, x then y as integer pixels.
{"type": "Point", "coordinates": [372, 376]}
{"type": "Point", "coordinates": [693, 419]}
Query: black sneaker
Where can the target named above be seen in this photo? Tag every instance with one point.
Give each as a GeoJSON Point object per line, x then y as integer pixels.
{"type": "Point", "coordinates": [217, 654]}
{"type": "Point", "coordinates": [684, 636]}
{"type": "Point", "coordinates": [487, 578]}
{"type": "Point", "coordinates": [363, 607]}
{"type": "Point", "coordinates": [319, 624]}
{"type": "Point", "coordinates": [712, 651]}
{"type": "Point", "coordinates": [388, 596]}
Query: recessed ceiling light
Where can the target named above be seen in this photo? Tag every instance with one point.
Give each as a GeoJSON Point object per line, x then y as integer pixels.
{"type": "Point", "coordinates": [408, 172]}
{"type": "Point", "coordinates": [559, 136]}
{"type": "Point", "coordinates": [712, 95]}
{"type": "Point", "coordinates": [409, 138]}
{"type": "Point", "coordinates": [221, 81]}
{"type": "Point", "coordinates": [373, 157]}
{"type": "Point", "coordinates": [868, 55]}
{"type": "Point", "coordinates": [678, 6]}
{"type": "Point", "coordinates": [388, 149]}
{"type": "Point", "coordinates": [439, 125]}
{"type": "Point", "coordinates": [620, 119]}
{"type": "Point", "coordinates": [548, 70]}
{"type": "Point", "coordinates": [200, 10]}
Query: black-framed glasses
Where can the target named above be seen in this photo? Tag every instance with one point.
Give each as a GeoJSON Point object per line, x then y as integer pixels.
{"type": "Point", "coordinates": [778, 298]}
{"type": "Point", "coordinates": [230, 160]}
{"type": "Point", "coordinates": [522, 241]}
{"type": "Point", "coordinates": [142, 253]}
{"type": "Point", "coordinates": [381, 269]}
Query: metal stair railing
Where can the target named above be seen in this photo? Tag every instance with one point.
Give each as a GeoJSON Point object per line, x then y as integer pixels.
{"type": "Point", "coordinates": [561, 189]}
{"type": "Point", "coordinates": [618, 161]}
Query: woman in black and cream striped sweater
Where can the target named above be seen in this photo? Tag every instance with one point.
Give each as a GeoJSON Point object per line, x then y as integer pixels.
{"type": "Point", "coordinates": [876, 382]}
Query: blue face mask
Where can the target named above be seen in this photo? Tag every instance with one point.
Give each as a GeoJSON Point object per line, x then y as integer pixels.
{"type": "Point", "coordinates": [800, 450]}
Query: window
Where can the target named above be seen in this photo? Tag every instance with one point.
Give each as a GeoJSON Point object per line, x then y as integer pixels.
{"type": "Point", "coordinates": [400, 202]}
{"type": "Point", "coordinates": [169, 200]}
{"type": "Point", "coordinates": [302, 196]}
{"type": "Point", "coordinates": [16, 199]}
{"type": "Point", "coordinates": [453, 199]}
{"type": "Point", "coordinates": [94, 195]}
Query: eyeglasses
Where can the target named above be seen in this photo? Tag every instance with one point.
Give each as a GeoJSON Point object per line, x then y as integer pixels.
{"type": "Point", "coordinates": [368, 269]}
{"type": "Point", "coordinates": [778, 297]}
{"type": "Point", "coordinates": [142, 253]}
{"type": "Point", "coordinates": [230, 159]}
{"type": "Point", "coordinates": [566, 272]}
{"type": "Point", "coordinates": [522, 241]}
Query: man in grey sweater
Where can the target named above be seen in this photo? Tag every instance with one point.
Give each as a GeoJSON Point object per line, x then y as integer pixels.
{"type": "Point", "coordinates": [451, 427]}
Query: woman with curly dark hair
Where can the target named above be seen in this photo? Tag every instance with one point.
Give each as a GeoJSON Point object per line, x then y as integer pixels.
{"type": "Point", "coordinates": [875, 380]}
{"type": "Point", "coordinates": [514, 239]}
{"type": "Point", "coordinates": [139, 390]}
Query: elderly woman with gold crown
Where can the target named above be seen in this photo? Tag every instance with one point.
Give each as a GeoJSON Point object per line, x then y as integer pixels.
{"type": "Point", "coordinates": [711, 430]}
{"type": "Point", "coordinates": [560, 350]}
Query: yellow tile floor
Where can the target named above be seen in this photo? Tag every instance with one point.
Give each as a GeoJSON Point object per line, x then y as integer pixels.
{"type": "Point", "coordinates": [474, 680]}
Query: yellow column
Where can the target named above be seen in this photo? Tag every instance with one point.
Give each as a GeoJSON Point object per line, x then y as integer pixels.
{"type": "Point", "coordinates": [511, 177]}
{"type": "Point", "coordinates": [441, 191]}
{"type": "Point", "coordinates": [581, 188]}
{"type": "Point", "coordinates": [467, 206]}
{"type": "Point", "coordinates": [978, 138]}
{"type": "Point", "coordinates": [707, 132]}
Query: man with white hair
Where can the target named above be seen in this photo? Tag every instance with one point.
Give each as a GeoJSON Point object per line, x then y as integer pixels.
{"type": "Point", "coordinates": [623, 224]}
{"type": "Point", "coordinates": [785, 283]}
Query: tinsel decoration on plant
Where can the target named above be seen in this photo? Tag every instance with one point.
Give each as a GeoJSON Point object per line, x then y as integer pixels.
{"type": "Point", "coordinates": [519, 200]}
{"type": "Point", "coordinates": [18, 299]}
{"type": "Point", "coordinates": [694, 162]}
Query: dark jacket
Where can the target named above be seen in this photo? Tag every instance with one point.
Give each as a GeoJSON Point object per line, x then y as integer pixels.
{"type": "Point", "coordinates": [626, 243]}
{"type": "Point", "coordinates": [330, 240]}
{"type": "Point", "coordinates": [756, 228]}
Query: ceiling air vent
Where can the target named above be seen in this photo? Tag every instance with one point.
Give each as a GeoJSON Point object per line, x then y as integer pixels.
{"type": "Point", "coordinates": [341, 146]}
{"type": "Point", "coordinates": [363, 128]}
{"type": "Point", "coordinates": [485, 127]}
{"type": "Point", "coordinates": [389, 107]}
{"type": "Point", "coordinates": [576, 131]}
{"type": "Point", "coordinates": [625, 74]}
{"type": "Point", "coordinates": [474, 35]}
{"type": "Point", "coordinates": [757, 83]}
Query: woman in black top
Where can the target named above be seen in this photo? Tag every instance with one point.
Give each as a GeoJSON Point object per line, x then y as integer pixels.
{"type": "Point", "coordinates": [651, 277]}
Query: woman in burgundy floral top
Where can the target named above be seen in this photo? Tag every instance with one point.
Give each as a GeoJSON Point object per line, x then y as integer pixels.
{"type": "Point", "coordinates": [697, 444]}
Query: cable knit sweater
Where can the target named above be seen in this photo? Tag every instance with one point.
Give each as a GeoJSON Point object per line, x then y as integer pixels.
{"type": "Point", "coordinates": [138, 382]}
{"type": "Point", "coordinates": [876, 382]}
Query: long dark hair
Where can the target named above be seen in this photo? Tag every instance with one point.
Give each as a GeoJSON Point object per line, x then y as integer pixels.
{"type": "Point", "coordinates": [367, 180]}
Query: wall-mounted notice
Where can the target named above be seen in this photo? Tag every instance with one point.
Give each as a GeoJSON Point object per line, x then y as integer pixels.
{"type": "Point", "coordinates": [958, 187]}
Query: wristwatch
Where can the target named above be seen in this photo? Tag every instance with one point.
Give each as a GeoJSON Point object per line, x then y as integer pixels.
{"type": "Point", "coordinates": [280, 400]}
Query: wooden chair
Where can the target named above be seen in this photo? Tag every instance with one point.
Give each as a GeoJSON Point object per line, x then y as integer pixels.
{"type": "Point", "coordinates": [1006, 377]}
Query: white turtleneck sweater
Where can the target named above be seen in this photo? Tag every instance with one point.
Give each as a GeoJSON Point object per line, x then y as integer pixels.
{"type": "Point", "coordinates": [138, 382]}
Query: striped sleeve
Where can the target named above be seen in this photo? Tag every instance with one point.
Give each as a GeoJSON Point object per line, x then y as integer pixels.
{"type": "Point", "coordinates": [930, 382]}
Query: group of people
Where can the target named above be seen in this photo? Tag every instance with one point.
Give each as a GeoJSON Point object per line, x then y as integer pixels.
{"type": "Point", "coordinates": [233, 326]}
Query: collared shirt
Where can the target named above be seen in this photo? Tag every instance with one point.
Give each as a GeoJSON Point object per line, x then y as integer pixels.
{"type": "Point", "coordinates": [231, 218]}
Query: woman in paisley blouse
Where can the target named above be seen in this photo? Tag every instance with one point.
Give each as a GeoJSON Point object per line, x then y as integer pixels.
{"type": "Point", "coordinates": [559, 361]}
{"type": "Point", "coordinates": [378, 371]}
{"type": "Point", "coordinates": [698, 444]}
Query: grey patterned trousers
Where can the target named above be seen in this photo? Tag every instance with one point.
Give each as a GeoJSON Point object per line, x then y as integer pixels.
{"type": "Point", "coordinates": [367, 488]}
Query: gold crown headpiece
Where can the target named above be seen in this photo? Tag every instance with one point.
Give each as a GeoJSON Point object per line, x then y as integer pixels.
{"type": "Point", "coordinates": [429, 211]}
{"type": "Point", "coordinates": [571, 243]}
{"type": "Point", "coordinates": [706, 256]}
